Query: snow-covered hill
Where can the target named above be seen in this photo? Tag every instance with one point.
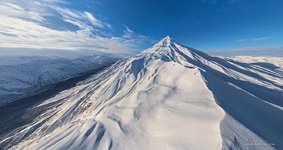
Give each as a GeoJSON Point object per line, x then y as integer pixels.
{"type": "Point", "coordinates": [21, 76]}
{"type": "Point", "coordinates": [168, 97]}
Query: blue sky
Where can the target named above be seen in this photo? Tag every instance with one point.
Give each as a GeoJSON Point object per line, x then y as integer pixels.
{"type": "Point", "coordinates": [124, 25]}
{"type": "Point", "coordinates": [204, 24]}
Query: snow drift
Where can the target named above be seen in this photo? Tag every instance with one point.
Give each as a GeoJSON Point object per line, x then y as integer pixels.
{"type": "Point", "coordinates": [168, 97]}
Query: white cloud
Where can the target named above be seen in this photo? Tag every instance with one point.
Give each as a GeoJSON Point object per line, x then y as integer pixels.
{"type": "Point", "coordinates": [255, 39]}
{"type": "Point", "coordinates": [248, 51]}
{"type": "Point", "coordinates": [28, 27]}
{"type": "Point", "coordinates": [93, 20]}
{"type": "Point", "coordinates": [15, 11]}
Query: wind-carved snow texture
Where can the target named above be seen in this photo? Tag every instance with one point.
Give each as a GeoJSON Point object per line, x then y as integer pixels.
{"type": "Point", "coordinates": [168, 97]}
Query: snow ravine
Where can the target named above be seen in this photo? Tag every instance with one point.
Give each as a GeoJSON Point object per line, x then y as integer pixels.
{"type": "Point", "coordinates": [168, 97]}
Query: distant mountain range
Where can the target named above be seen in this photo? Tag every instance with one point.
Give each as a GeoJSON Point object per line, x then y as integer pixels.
{"type": "Point", "coordinates": [22, 76]}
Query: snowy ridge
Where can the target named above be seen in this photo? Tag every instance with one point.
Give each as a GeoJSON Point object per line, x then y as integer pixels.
{"type": "Point", "coordinates": [168, 97]}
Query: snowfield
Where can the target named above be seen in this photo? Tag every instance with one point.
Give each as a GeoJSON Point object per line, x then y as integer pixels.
{"type": "Point", "coordinates": [21, 76]}
{"type": "Point", "coordinates": [167, 97]}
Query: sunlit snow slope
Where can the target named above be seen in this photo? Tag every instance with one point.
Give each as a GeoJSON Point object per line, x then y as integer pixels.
{"type": "Point", "coordinates": [168, 97]}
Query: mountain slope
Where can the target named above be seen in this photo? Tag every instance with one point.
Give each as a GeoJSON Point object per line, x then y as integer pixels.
{"type": "Point", "coordinates": [22, 76]}
{"type": "Point", "coordinates": [168, 97]}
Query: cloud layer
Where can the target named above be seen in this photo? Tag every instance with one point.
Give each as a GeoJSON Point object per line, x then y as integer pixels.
{"type": "Point", "coordinates": [249, 51]}
{"type": "Point", "coordinates": [255, 39]}
{"type": "Point", "coordinates": [50, 24]}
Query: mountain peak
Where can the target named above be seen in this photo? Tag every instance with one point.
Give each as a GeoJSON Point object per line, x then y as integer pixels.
{"type": "Point", "coordinates": [167, 37]}
{"type": "Point", "coordinates": [165, 42]}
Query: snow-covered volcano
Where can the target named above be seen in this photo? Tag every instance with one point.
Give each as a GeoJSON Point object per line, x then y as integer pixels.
{"type": "Point", "coordinates": [167, 97]}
